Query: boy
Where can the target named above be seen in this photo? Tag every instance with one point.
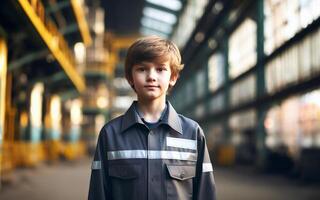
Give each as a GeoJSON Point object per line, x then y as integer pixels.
{"type": "Point", "coordinates": [151, 152]}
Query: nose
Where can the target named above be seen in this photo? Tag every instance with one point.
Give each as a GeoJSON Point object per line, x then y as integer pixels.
{"type": "Point", "coordinates": [151, 75]}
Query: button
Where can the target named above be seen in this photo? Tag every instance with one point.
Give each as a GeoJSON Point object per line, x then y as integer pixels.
{"type": "Point", "coordinates": [155, 178]}
{"type": "Point", "coordinates": [182, 174]}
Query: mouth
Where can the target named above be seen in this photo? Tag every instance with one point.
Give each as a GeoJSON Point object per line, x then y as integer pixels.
{"type": "Point", "coordinates": [151, 86]}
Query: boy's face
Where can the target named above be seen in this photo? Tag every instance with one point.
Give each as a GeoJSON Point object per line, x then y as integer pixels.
{"type": "Point", "coordinates": [151, 80]}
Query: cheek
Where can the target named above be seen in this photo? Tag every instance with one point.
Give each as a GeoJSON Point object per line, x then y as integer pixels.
{"type": "Point", "coordinates": [136, 77]}
{"type": "Point", "coordinates": [166, 81]}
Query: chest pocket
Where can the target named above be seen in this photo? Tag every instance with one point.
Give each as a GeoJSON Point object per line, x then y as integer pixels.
{"type": "Point", "coordinates": [180, 181]}
{"type": "Point", "coordinates": [125, 178]}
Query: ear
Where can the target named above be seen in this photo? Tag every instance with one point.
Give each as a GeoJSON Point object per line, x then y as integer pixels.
{"type": "Point", "coordinates": [130, 81]}
{"type": "Point", "coordinates": [173, 80]}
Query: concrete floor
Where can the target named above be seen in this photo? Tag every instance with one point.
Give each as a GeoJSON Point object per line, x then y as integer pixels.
{"type": "Point", "coordinates": [64, 180]}
{"type": "Point", "coordinates": [70, 181]}
{"type": "Point", "coordinates": [246, 184]}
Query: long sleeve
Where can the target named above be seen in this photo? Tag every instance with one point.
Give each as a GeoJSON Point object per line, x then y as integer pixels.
{"type": "Point", "coordinates": [98, 181]}
{"type": "Point", "coordinates": [204, 184]}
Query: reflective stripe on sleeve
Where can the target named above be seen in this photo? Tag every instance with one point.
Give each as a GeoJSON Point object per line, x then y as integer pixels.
{"type": "Point", "coordinates": [207, 167]}
{"type": "Point", "coordinates": [138, 154]}
{"type": "Point", "coordinates": [96, 165]}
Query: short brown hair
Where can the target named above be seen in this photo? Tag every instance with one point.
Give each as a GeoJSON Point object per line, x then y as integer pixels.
{"type": "Point", "coordinates": [153, 48]}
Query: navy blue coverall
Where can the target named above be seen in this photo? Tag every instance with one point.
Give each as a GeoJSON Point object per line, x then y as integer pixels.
{"type": "Point", "coordinates": [169, 162]}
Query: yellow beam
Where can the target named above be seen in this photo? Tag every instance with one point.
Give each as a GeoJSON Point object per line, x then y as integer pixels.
{"type": "Point", "coordinates": [52, 43]}
{"type": "Point", "coordinates": [123, 42]}
{"type": "Point", "coordinates": [82, 22]}
{"type": "Point", "coordinates": [3, 76]}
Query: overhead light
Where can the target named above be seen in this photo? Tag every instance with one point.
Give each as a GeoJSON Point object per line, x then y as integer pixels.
{"type": "Point", "coordinates": [102, 102]}
{"type": "Point", "coordinates": [218, 6]}
{"type": "Point", "coordinates": [199, 37]}
{"type": "Point", "coordinates": [146, 31]}
{"type": "Point", "coordinates": [174, 5]}
{"type": "Point", "coordinates": [80, 52]}
{"type": "Point", "coordinates": [160, 15]}
{"type": "Point", "coordinates": [76, 112]}
{"type": "Point", "coordinates": [212, 43]}
{"type": "Point", "coordinates": [55, 111]}
{"type": "Point", "coordinates": [156, 25]}
{"type": "Point", "coordinates": [36, 104]}
{"type": "Point", "coordinates": [98, 25]}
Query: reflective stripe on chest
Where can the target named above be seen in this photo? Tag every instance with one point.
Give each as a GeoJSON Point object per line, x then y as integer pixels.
{"type": "Point", "coordinates": [151, 154]}
{"type": "Point", "coordinates": [182, 143]}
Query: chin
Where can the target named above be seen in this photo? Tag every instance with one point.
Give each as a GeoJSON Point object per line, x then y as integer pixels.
{"type": "Point", "coordinates": [151, 97]}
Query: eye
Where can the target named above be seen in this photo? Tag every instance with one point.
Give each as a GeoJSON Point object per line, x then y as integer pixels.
{"type": "Point", "coordinates": [140, 69]}
{"type": "Point", "coordinates": [160, 69]}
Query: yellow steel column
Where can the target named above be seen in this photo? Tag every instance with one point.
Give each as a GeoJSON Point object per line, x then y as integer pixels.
{"type": "Point", "coordinates": [78, 9]}
{"type": "Point", "coordinates": [3, 73]}
{"type": "Point", "coordinates": [53, 39]}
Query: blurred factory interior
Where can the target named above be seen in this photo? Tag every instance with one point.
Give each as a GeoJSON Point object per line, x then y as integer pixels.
{"type": "Point", "coordinates": [251, 79]}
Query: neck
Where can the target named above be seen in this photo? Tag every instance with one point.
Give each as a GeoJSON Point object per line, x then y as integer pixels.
{"type": "Point", "coordinates": [151, 110]}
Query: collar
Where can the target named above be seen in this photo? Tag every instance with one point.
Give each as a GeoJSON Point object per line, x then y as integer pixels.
{"type": "Point", "coordinates": [170, 117]}
{"type": "Point", "coordinates": [141, 116]}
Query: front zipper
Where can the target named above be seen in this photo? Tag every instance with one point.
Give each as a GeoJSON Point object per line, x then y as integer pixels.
{"type": "Point", "coordinates": [148, 165]}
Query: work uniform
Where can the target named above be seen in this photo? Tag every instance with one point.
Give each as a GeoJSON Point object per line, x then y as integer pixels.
{"type": "Point", "coordinates": [167, 162]}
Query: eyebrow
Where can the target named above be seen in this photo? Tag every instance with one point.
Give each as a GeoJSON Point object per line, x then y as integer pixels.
{"type": "Point", "coordinates": [156, 64]}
